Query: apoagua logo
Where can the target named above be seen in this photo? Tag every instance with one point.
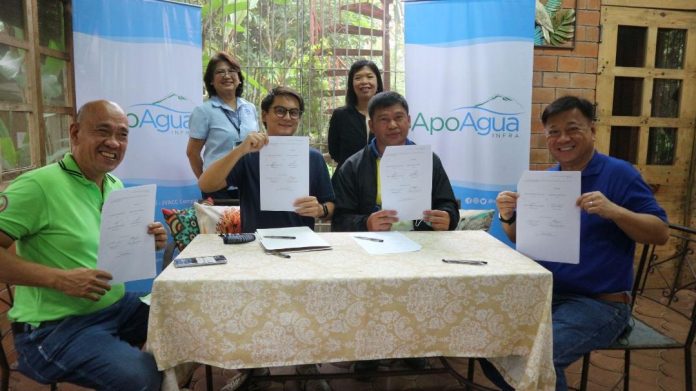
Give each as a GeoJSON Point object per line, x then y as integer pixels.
{"type": "Point", "coordinates": [496, 116]}
{"type": "Point", "coordinates": [166, 115]}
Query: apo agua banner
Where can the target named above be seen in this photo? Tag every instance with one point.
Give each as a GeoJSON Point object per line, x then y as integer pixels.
{"type": "Point", "coordinates": [146, 56]}
{"type": "Point", "coordinates": [469, 85]}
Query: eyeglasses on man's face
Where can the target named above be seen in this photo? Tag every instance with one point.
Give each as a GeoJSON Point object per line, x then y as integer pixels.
{"type": "Point", "coordinates": [226, 72]}
{"type": "Point", "coordinates": [281, 111]}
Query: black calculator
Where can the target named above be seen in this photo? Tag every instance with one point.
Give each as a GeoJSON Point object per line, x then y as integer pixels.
{"type": "Point", "coordinates": [237, 238]}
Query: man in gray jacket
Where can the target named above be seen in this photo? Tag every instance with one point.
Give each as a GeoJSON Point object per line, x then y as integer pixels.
{"type": "Point", "coordinates": [358, 196]}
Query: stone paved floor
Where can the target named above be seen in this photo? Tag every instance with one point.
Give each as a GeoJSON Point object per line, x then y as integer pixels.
{"type": "Point", "coordinates": [650, 369]}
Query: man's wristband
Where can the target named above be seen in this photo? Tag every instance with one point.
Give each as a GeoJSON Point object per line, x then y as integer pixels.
{"type": "Point", "coordinates": [510, 220]}
{"type": "Point", "coordinates": [326, 211]}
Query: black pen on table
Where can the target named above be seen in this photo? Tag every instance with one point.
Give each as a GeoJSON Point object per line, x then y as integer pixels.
{"type": "Point", "coordinates": [369, 238]}
{"type": "Point", "coordinates": [465, 262]}
{"type": "Point", "coordinates": [279, 237]}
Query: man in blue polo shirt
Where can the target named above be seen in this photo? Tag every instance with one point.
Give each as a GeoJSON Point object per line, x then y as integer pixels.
{"type": "Point", "coordinates": [591, 299]}
{"type": "Point", "coordinates": [69, 323]}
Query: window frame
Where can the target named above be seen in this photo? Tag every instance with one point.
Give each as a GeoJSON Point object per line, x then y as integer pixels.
{"type": "Point", "coordinates": [35, 107]}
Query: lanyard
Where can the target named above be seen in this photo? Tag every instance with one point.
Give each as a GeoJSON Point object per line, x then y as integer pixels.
{"type": "Point", "coordinates": [234, 120]}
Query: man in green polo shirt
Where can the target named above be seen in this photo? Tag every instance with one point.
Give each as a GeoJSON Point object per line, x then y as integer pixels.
{"type": "Point", "coordinates": [69, 323]}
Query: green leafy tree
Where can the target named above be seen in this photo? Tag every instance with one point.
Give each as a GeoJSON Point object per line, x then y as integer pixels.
{"type": "Point", "coordinates": [290, 43]}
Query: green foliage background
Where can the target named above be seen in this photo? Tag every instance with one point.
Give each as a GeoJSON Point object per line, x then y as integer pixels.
{"type": "Point", "coordinates": [291, 43]}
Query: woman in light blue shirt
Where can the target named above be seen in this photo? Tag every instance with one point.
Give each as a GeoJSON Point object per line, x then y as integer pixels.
{"type": "Point", "coordinates": [223, 121]}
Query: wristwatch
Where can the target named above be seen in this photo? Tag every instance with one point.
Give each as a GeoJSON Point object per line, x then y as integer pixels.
{"type": "Point", "coordinates": [326, 211]}
{"type": "Point", "coordinates": [510, 220]}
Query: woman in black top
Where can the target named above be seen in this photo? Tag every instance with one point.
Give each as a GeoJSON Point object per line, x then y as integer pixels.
{"type": "Point", "coordinates": [348, 128]}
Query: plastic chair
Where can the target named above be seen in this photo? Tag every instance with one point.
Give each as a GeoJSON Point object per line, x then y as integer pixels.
{"type": "Point", "coordinates": [642, 336]}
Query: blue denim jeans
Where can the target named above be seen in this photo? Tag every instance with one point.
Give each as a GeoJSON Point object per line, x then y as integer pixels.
{"type": "Point", "coordinates": [580, 325]}
{"type": "Point", "coordinates": [99, 350]}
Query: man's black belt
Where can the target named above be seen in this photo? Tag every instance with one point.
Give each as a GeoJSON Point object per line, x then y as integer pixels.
{"type": "Point", "coordinates": [617, 297]}
{"type": "Point", "coordinates": [22, 327]}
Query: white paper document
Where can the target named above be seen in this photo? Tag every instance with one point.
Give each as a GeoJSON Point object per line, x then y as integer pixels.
{"type": "Point", "coordinates": [377, 243]}
{"type": "Point", "coordinates": [126, 250]}
{"type": "Point", "coordinates": [548, 221]}
{"type": "Point", "coordinates": [291, 239]}
{"type": "Point", "coordinates": [283, 172]}
{"type": "Point", "coordinates": [406, 180]}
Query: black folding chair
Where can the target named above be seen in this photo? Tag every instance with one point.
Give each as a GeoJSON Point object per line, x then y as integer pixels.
{"type": "Point", "coordinates": [642, 336]}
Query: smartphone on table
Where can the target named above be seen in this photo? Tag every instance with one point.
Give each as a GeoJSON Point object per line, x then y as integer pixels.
{"type": "Point", "coordinates": [200, 261]}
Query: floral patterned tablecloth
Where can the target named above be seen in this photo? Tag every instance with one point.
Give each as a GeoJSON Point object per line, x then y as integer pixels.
{"type": "Point", "coordinates": [344, 304]}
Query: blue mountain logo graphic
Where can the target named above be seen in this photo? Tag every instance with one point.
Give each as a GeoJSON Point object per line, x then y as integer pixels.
{"type": "Point", "coordinates": [172, 102]}
{"type": "Point", "coordinates": [169, 113]}
{"type": "Point", "coordinates": [497, 104]}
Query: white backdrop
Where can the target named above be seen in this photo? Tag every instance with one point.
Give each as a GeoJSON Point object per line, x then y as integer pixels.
{"type": "Point", "coordinates": [146, 56]}
{"type": "Point", "coordinates": [469, 88]}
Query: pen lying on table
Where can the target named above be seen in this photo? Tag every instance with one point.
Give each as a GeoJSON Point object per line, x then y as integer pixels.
{"type": "Point", "coordinates": [368, 238]}
{"type": "Point", "coordinates": [465, 262]}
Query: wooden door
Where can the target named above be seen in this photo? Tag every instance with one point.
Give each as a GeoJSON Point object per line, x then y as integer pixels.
{"type": "Point", "coordinates": [646, 99]}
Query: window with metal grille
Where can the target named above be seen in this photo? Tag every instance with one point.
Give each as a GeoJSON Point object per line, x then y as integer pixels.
{"type": "Point", "coordinates": [36, 84]}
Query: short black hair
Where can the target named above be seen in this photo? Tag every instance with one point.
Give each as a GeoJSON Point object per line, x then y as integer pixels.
{"type": "Point", "coordinates": [210, 73]}
{"type": "Point", "coordinates": [351, 97]}
{"type": "Point", "coordinates": [569, 103]}
{"type": "Point", "coordinates": [280, 91]}
{"type": "Point", "coordinates": [386, 99]}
